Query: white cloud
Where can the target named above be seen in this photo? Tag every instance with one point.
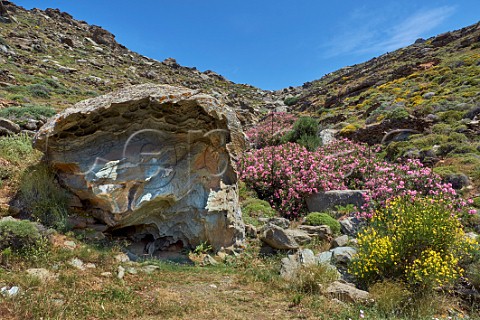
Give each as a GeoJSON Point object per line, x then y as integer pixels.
{"type": "Point", "coordinates": [374, 36]}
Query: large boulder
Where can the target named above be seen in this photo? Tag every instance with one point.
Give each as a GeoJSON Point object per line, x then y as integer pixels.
{"type": "Point", "coordinates": [328, 200]}
{"type": "Point", "coordinates": [154, 162]}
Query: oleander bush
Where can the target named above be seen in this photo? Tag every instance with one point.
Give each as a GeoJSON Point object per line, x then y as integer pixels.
{"type": "Point", "coordinates": [271, 129]}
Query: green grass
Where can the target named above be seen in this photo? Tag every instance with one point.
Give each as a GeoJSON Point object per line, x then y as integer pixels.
{"type": "Point", "coordinates": [27, 111]}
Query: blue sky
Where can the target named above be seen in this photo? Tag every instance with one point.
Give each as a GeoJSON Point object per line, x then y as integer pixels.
{"type": "Point", "coordinates": [270, 44]}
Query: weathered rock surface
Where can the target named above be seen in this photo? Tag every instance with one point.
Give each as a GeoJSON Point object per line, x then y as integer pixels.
{"type": "Point", "coordinates": [346, 292]}
{"type": "Point", "coordinates": [155, 161]}
{"type": "Point", "coordinates": [324, 201]}
{"type": "Point", "coordinates": [323, 231]}
{"type": "Point", "coordinates": [278, 238]}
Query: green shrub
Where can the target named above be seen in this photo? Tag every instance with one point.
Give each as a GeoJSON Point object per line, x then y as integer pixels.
{"type": "Point", "coordinates": [321, 218]}
{"type": "Point", "coordinates": [18, 236]}
{"type": "Point", "coordinates": [16, 148]}
{"type": "Point", "coordinates": [397, 113]}
{"type": "Point", "coordinates": [304, 132]}
{"type": "Point", "coordinates": [291, 101]}
{"type": "Point", "coordinates": [28, 111]}
{"type": "Point", "coordinates": [420, 242]}
{"type": "Point", "coordinates": [253, 208]}
{"type": "Point", "coordinates": [38, 90]}
{"type": "Point", "coordinates": [43, 198]}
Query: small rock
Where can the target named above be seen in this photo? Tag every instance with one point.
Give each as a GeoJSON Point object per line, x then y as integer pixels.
{"type": "Point", "coordinates": [289, 266]}
{"type": "Point", "coordinates": [77, 263]}
{"type": "Point", "coordinates": [343, 254]}
{"type": "Point", "coordinates": [213, 286]}
{"type": "Point", "coordinates": [277, 221]}
{"type": "Point", "coordinates": [428, 95]}
{"type": "Point", "coordinates": [90, 265]}
{"type": "Point", "coordinates": [458, 180]}
{"type": "Point", "coordinates": [12, 292]}
{"type": "Point", "coordinates": [306, 257]}
{"type": "Point", "coordinates": [327, 136]}
{"type": "Point", "coordinates": [277, 238]}
{"type": "Point", "coordinates": [70, 244]}
{"type": "Point", "coordinates": [149, 268]}
{"type": "Point", "coordinates": [9, 125]}
{"type": "Point", "coordinates": [349, 226]}
{"type": "Point", "coordinates": [324, 257]}
{"type": "Point", "coordinates": [208, 260]}
{"type": "Point", "coordinates": [121, 272]}
{"type": "Point", "coordinates": [41, 273]}
{"type": "Point", "coordinates": [300, 236]}
{"type": "Point", "coordinates": [323, 232]}
{"type": "Point", "coordinates": [340, 241]}
{"type": "Point", "coordinates": [472, 235]}
{"type": "Point", "coordinates": [122, 257]}
{"type": "Point", "coordinates": [346, 292]}
{"type": "Point", "coordinates": [106, 274]}
{"type": "Point", "coordinates": [132, 270]}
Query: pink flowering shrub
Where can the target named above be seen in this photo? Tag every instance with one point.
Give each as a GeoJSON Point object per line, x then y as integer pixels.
{"type": "Point", "coordinates": [271, 129]}
{"type": "Point", "coordinates": [286, 175]}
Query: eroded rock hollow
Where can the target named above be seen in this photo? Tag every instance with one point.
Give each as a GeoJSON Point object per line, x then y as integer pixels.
{"type": "Point", "coordinates": [155, 160]}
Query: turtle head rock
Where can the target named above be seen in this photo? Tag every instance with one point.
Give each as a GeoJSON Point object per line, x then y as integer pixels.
{"type": "Point", "coordinates": [152, 161]}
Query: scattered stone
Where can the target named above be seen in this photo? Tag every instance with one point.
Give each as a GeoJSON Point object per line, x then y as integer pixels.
{"type": "Point", "coordinates": [120, 272]}
{"type": "Point", "coordinates": [279, 222]}
{"type": "Point", "coordinates": [458, 180]}
{"type": "Point", "coordinates": [325, 201]}
{"type": "Point", "coordinates": [350, 226]}
{"type": "Point", "coordinates": [106, 274]}
{"type": "Point", "coordinates": [428, 95]}
{"type": "Point", "coordinates": [324, 257]}
{"type": "Point", "coordinates": [323, 232]}
{"type": "Point", "coordinates": [343, 255]}
{"type": "Point", "coordinates": [346, 292]}
{"type": "Point", "coordinates": [149, 268]}
{"type": "Point", "coordinates": [90, 265]}
{"type": "Point", "coordinates": [132, 270]}
{"type": "Point", "coordinates": [293, 262]}
{"type": "Point", "coordinates": [472, 235]}
{"type": "Point", "coordinates": [9, 125]}
{"type": "Point", "coordinates": [122, 257]}
{"type": "Point", "coordinates": [41, 273]}
{"type": "Point", "coordinates": [77, 263]}
{"type": "Point", "coordinates": [277, 238]}
{"type": "Point", "coordinates": [208, 260]}
{"type": "Point", "coordinates": [301, 237]}
{"type": "Point", "coordinates": [10, 292]}
{"type": "Point", "coordinates": [327, 136]}
{"type": "Point", "coordinates": [341, 241]}
{"type": "Point", "coordinates": [70, 244]}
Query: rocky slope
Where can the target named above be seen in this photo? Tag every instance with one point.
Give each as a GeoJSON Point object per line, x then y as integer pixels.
{"type": "Point", "coordinates": [49, 58]}
{"type": "Point", "coordinates": [422, 101]}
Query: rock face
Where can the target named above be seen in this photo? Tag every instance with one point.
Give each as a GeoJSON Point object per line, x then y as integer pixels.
{"type": "Point", "coordinates": [324, 201]}
{"type": "Point", "coordinates": [154, 161]}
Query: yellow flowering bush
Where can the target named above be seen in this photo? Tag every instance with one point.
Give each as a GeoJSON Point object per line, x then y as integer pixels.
{"type": "Point", "coordinates": [417, 240]}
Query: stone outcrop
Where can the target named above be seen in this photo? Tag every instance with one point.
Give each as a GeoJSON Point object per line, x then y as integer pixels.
{"type": "Point", "coordinates": [155, 162]}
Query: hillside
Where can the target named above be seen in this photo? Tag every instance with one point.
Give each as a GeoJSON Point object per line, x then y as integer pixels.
{"type": "Point", "coordinates": [48, 58]}
{"type": "Point", "coordinates": [430, 88]}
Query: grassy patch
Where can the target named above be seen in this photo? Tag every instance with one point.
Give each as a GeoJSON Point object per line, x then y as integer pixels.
{"type": "Point", "coordinates": [28, 111]}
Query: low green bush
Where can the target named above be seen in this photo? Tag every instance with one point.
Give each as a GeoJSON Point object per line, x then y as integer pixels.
{"type": "Point", "coordinates": [304, 132]}
{"type": "Point", "coordinates": [253, 208]}
{"type": "Point", "coordinates": [291, 101]}
{"type": "Point", "coordinates": [18, 236]}
{"type": "Point", "coordinates": [16, 148]}
{"type": "Point", "coordinates": [322, 218]}
{"type": "Point", "coordinates": [43, 198]}
{"type": "Point", "coordinates": [27, 111]}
